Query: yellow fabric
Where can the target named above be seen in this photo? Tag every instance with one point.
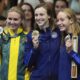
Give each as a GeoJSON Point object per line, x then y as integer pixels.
{"type": "Point", "coordinates": [27, 74]}
{"type": "Point", "coordinates": [25, 32]}
{"type": "Point", "coordinates": [14, 48]}
{"type": "Point", "coordinates": [8, 30]}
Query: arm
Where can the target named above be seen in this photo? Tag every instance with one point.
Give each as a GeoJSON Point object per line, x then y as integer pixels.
{"type": "Point", "coordinates": [30, 53]}
{"type": "Point", "coordinates": [75, 56]}
{"type": "Point", "coordinates": [30, 56]}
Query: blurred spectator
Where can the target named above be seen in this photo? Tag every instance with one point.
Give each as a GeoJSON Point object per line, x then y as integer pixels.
{"type": "Point", "coordinates": [29, 16]}
{"type": "Point", "coordinates": [59, 5]}
{"type": "Point", "coordinates": [51, 1]}
{"type": "Point", "coordinates": [3, 4]}
{"type": "Point", "coordinates": [75, 5]}
{"type": "Point", "coordinates": [34, 3]}
{"type": "Point", "coordinates": [76, 8]}
{"type": "Point", "coordinates": [78, 17]}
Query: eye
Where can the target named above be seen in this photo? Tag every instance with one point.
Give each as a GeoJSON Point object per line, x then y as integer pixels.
{"type": "Point", "coordinates": [62, 19]}
{"type": "Point", "coordinates": [10, 18]}
{"type": "Point", "coordinates": [41, 14]}
{"type": "Point", "coordinates": [57, 6]}
{"type": "Point", "coordinates": [27, 10]}
{"type": "Point", "coordinates": [36, 14]}
{"type": "Point", "coordinates": [15, 19]}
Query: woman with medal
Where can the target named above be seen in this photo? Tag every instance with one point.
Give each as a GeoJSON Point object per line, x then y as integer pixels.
{"type": "Point", "coordinates": [44, 55]}
{"type": "Point", "coordinates": [66, 21]}
{"type": "Point", "coordinates": [12, 43]}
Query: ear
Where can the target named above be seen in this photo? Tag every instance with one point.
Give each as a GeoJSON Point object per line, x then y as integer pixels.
{"type": "Point", "coordinates": [71, 21]}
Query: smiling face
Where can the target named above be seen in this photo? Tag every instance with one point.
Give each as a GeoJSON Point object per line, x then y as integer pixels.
{"type": "Point", "coordinates": [41, 17]}
{"type": "Point", "coordinates": [13, 20]}
{"type": "Point", "coordinates": [63, 21]}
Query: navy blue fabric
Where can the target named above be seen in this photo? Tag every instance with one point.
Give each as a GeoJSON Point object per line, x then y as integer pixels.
{"type": "Point", "coordinates": [47, 56]}
{"type": "Point", "coordinates": [75, 56]}
{"type": "Point", "coordinates": [65, 63]}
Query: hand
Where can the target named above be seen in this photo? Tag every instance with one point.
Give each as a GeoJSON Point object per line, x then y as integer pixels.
{"type": "Point", "coordinates": [68, 43]}
{"type": "Point", "coordinates": [35, 38]}
{"type": "Point", "coordinates": [35, 42]}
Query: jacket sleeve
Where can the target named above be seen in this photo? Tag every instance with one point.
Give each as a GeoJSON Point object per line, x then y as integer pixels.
{"type": "Point", "coordinates": [30, 54]}
{"type": "Point", "coordinates": [75, 56]}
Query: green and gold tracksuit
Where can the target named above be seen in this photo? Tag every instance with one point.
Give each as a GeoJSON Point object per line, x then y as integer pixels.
{"type": "Point", "coordinates": [0, 65]}
{"type": "Point", "coordinates": [12, 46]}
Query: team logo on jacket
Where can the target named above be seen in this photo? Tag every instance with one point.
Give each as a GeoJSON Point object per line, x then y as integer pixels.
{"type": "Point", "coordinates": [24, 40]}
{"type": "Point", "coordinates": [54, 35]}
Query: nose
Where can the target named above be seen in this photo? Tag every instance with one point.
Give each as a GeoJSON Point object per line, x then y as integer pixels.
{"type": "Point", "coordinates": [12, 21]}
{"type": "Point", "coordinates": [37, 17]}
{"type": "Point", "coordinates": [58, 22]}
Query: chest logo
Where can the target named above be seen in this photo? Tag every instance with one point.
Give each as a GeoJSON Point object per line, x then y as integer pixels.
{"type": "Point", "coordinates": [54, 35]}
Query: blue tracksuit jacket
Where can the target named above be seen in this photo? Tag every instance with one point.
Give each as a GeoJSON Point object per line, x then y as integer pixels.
{"type": "Point", "coordinates": [46, 57]}
{"type": "Point", "coordinates": [65, 63]}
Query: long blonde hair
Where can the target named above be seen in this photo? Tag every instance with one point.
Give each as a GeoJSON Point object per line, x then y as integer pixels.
{"type": "Point", "coordinates": [74, 27]}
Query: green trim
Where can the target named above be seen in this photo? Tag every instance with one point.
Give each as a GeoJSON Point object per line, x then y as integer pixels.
{"type": "Point", "coordinates": [21, 66]}
{"type": "Point", "coordinates": [5, 60]}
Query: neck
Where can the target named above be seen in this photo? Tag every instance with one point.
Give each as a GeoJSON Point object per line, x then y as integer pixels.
{"type": "Point", "coordinates": [15, 31]}
{"type": "Point", "coordinates": [44, 27]}
{"type": "Point", "coordinates": [27, 25]}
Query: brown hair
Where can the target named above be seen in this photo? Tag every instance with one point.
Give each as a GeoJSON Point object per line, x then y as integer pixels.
{"type": "Point", "coordinates": [49, 12]}
{"type": "Point", "coordinates": [32, 12]}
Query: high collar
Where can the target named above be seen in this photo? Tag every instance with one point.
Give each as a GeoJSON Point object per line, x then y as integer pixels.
{"type": "Point", "coordinates": [44, 31]}
{"type": "Point", "coordinates": [45, 35]}
{"type": "Point", "coordinates": [7, 30]}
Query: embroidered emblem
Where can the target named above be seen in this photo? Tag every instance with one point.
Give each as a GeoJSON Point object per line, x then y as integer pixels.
{"type": "Point", "coordinates": [23, 40]}
{"type": "Point", "coordinates": [54, 35]}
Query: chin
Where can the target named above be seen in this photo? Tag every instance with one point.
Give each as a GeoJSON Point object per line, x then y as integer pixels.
{"type": "Point", "coordinates": [62, 30]}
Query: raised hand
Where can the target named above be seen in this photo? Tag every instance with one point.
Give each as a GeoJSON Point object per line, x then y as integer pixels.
{"type": "Point", "coordinates": [68, 43]}
{"type": "Point", "coordinates": [35, 38]}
